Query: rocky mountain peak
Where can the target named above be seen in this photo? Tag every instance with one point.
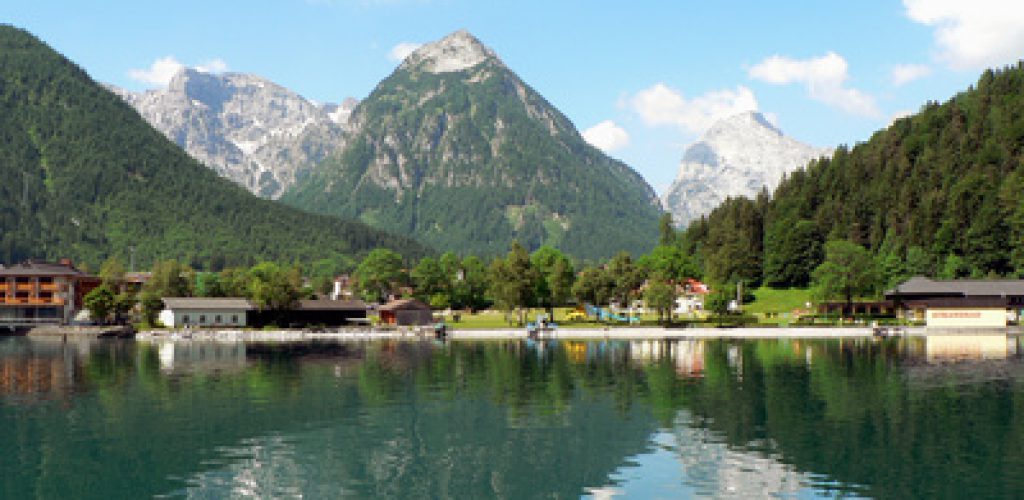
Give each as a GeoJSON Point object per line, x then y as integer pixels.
{"type": "Point", "coordinates": [245, 127]}
{"type": "Point", "coordinates": [458, 51]}
{"type": "Point", "coordinates": [742, 123]}
{"type": "Point", "coordinates": [737, 156]}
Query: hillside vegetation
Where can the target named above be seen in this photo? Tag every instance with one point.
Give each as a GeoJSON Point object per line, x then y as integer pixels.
{"type": "Point", "coordinates": [938, 193]}
{"type": "Point", "coordinates": [85, 177]}
{"type": "Point", "coordinates": [471, 160]}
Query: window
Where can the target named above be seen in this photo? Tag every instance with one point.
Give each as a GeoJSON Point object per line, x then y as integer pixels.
{"type": "Point", "coordinates": [202, 319]}
{"type": "Point", "coordinates": [184, 319]}
{"type": "Point", "coordinates": [234, 319]}
{"type": "Point", "coordinates": [218, 320]}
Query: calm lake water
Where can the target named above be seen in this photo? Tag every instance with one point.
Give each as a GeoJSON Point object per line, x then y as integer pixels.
{"type": "Point", "coordinates": [936, 418]}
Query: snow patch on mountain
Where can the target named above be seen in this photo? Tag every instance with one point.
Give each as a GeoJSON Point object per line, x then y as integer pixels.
{"type": "Point", "coordinates": [246, 128]}
{"type": "Point", "coordinates": [737, 156]}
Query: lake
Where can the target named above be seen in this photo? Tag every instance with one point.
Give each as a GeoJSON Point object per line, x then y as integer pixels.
{"type": "Point", "coordinates": [941, 417]}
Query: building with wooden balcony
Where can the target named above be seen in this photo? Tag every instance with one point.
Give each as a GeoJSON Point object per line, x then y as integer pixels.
{"type": "Point", "coordinates": [38, 292]}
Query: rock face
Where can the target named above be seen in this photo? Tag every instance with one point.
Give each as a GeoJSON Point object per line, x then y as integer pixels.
{"type": "Point", "coordinates": [244, 127]}
{"type": "Point", "coordinates": [737, 156]}
{"type": "Point", "coordinates": [456, 150]}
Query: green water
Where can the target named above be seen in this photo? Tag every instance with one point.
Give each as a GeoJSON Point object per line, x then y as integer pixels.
{"type": "Point", "coordinates": [942, 418]}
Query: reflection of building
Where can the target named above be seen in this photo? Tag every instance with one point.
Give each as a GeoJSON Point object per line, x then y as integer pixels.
{"type": "Point", "coordinates": [38, 292]}
{"type": "Point", "coordinates": [688, 355]}
{"type": "Point", "coordinates": [40, 367]}
{"type": "Point", "coordinates": [205, 312]}
{"type": "Point", "coordinates": [406, 312]}
{"type": "Point", "coordinates": [959, 303]}
{"type": "Point", "coordinates": [201, 357]}
{"type": "Point", "coordinates": [968, 347]}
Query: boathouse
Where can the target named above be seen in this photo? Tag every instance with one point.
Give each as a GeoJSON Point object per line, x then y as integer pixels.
{"type": "Point", "coordinates": [321, 312]}
{"type": "Point", "coordinates": [205, 312]}
{"type": "Point", "coordinates": [959, 303]}
{"type": "Point", "coordinates": [406, 312]}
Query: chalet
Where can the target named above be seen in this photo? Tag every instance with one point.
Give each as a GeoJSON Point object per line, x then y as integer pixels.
{"type": "Point", "coordinates": [959, 303]}
{"type": "Point", "coordinates": [38, 292]}
{"type": "Point", "coordinates": [690, 297]}
{"type": "Point", "coordinates": [206, 312]}
{"type": "Point", "coordinates": [406, 312]}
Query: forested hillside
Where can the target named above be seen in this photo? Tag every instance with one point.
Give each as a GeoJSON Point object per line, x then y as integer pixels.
{"type": "Point", "coordinates": [85, 177]}
{"type": "Point", "coordinates": [939, 193]}
{"type": "Point", "coordinates": [469, 158]}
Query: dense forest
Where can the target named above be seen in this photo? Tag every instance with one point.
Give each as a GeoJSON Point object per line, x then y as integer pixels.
{"type": "Point", "coordinates": [85, 177]}
{"type": "Point", "coordinates": [469, 161]}
{"type": "Point", "coordinates": [938, 194]}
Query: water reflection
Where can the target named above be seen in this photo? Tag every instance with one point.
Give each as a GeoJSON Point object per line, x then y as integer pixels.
{"type": "Point", "coordinates": [901, 418]}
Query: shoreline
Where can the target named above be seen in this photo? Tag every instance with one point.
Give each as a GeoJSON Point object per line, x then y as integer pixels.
{"type": "Point", "coordinates": [566, 334]}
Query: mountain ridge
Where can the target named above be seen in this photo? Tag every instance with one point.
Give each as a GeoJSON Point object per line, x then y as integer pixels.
{"type": "Point", "coordinates": [246, 128]}
{"type": "Point", "coordinates": [93, 179]}
{"type": "Point", "coordinates": [737, 156]}
{"type": "Point", "coordinates": [457, 150]}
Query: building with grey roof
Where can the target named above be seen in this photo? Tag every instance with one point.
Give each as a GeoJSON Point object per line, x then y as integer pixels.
{"type": "Point", "coordinates": [962, 302]}
{"type": "Point", "coordinates": [206, 312]}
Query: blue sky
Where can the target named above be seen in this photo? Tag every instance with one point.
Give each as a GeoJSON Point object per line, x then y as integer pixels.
{"type": "Point", "coordinates": [645, 78]}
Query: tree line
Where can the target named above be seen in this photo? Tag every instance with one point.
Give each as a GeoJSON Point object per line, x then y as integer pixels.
{"type": "Point", "coordinates": [935, 194]}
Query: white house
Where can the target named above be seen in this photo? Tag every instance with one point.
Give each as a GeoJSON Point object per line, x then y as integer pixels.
{"type": "Point", "coordinates": [205, 311]}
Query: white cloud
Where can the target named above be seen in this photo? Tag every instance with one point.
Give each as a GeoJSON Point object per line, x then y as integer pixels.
{"type": "Point", "coordinates": [824, 77]}
{"type": "Point", "coordinates": [903, 74]}
{"type": "Point", "coordinates": [158, 73]}
{"type": "Point", "coordinates": [972, 34]}
{"type": "Point", "coordinates": [163, 69]}
{"type": "Point", "coordinates": [399, 52]}
{"type": "Point", "coordinates": [213, 66]}
{"type": "Point", "coordinates": [662, 105]}
{"type": "Point", "coordinates": [607, 136]}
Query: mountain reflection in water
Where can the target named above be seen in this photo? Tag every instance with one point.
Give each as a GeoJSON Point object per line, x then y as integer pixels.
{"type": "Point", "coordinates": [913, 417]}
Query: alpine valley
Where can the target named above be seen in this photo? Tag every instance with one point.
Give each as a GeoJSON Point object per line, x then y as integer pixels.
{"type": "Point", "coordinates": [86, 177]}
{"type": "Point", "coordinates": [457, 151]}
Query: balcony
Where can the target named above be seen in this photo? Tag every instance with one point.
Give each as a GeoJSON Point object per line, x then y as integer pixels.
{"type": "Point", "coordinates": [55, 301]}
{"type": "Point", "coordinates": [32, 301]}
{"type": "Point", "coordinates": [24, 287]}
{"type": "Point", "coordinates": [50, 287]}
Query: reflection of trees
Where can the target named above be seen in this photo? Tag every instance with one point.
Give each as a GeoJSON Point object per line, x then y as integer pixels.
{"type": "Point", "coordinates": [509, 421]}
{"type": "Point", "coordinates": [474, 419]}
{"type": "Point", "coordinates": [852, 415]}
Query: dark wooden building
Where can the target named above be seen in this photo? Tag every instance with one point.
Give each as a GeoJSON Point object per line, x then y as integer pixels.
{"type": "Point", "coordinates": [314, 313]}
{"type": "Point", "coordinates": [406, 312]}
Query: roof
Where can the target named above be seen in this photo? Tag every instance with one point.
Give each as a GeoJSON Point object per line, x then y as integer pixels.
{"type": "Point", "coordinates": [920, 285]}
{"type": "Point", "coordinates": [405, 305]}
{"type": "Point", "coordinates": [41, 268]}
{"type": "Point", "coordinates": [207, 303]}
{"type": "Point", "coordinates": [331, 305]}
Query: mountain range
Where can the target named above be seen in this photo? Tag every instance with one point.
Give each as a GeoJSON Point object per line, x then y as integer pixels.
{"type": "Point", "coordinates": [737, 156]}
{"type": "Point", "coordinates": [246, 128]}
{"type": "Point", "coordinates": [454, 149]}
{"type": "Point", "coordinates": [86, 177]}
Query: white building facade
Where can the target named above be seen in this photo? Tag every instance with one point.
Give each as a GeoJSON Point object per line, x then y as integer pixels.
{"type": "Point", "coordinates": [194, 312]}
